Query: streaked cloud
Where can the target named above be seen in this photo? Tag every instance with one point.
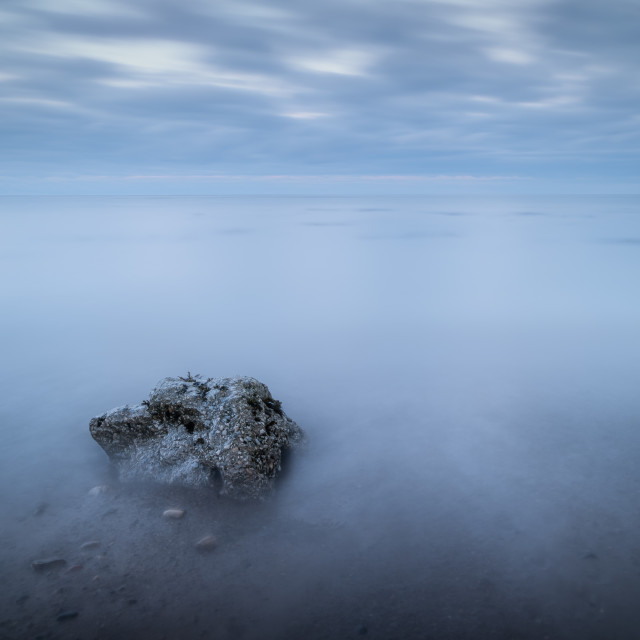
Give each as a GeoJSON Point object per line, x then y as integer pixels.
{"type": "Point", "coordinates": [140, 55]}
{"type": "Point", "coordinates": [138, 64]}
{"type": "Point", "coordinates": [343, 63]}
{"type": "Point", "coordinates": [406, 88]}
{"type": "Point", "coordinates": [304, 115]}
{"type": "Point", "coordinates": [99, 8]}
{"type": "Point", "coordinates": [511, 56]}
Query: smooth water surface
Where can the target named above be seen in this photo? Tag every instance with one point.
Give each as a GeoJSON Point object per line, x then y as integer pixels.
{"type": "Point", "coordinates": [466, 370]}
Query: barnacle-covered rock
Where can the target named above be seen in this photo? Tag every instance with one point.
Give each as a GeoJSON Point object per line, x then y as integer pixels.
{"type": "Point", "coordinates": [199, 432]}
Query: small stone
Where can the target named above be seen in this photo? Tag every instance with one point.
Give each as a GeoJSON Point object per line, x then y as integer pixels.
{"type": "Point", "coordinates": [173, 513]}
{"type": "Point", "coordinates": [92, 544]}
{"type": "Point", "coordinates": [74, 567]}
{"type": "Point", "coordinates": [48, 564]}
{"type": "Point", "coordinates": [99, 490]}
{"type": "Point", "coordinates": [67, 615]}
{"type": "Point", "coordinates": [208, 543]}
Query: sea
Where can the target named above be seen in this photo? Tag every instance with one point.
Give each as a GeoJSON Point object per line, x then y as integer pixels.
{"type": "Point", "coordinates": [466, 369]}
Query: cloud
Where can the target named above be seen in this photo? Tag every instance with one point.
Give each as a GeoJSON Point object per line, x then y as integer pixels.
{"type": "Point", "coordinates": [98, 8]}
{"type": "Point", "coordinates": [343, 63]}
{"type": "Point", "coordinates": [142, 63]}
{"type": "Point", "coordinates": [304, 115]}
{"type": "Point", "coordinates": [411, 87]}
{"type": "Point", "coordinates": [511, 56]}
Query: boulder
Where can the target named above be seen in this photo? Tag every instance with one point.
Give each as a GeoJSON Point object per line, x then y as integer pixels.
{"type": "Point", "coordinates": [196, 431]}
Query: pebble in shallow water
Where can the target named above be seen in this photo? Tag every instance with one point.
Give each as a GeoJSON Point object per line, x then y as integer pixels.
{"type": "Point", "coordinates": [173, 514]}
{"type": "Point", "coordinates": [74, 567]}
{"type": "Point", "coordinates": [48, 564]}
{"type": "Point", "coordinates": [67, 615]}
{"type": "Point", "coordinates": [91, 544]}
{"type": "Point", "coordinates": [208, 543]}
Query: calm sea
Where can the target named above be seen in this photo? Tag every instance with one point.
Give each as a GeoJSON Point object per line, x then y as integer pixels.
{"type": "Point", "coordinates": [467, 370]}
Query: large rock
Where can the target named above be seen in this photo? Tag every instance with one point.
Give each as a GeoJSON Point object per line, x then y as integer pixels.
{"type": "Point", "coordinates": [200, 432]}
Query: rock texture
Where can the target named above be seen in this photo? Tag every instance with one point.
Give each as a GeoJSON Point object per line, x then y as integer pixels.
{"type": "Point", "coordinates": [198, 432]}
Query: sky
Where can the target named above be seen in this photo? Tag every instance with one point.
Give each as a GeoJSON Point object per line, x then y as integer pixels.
{"type": "Point", "coordinates": [230, 96]}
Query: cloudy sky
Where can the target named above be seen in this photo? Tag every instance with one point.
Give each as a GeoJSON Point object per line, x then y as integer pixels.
{"type": "Point", "coordinates": [230, 95]}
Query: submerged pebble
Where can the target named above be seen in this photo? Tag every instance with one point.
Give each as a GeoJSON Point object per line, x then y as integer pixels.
{"type": "Point", "coordinates": [74, 567]}
{"type": "Point", "coordinates": [207, 543]}
{"type": "Point", "coordinates": [91, 544]}
{"type": "Point", "coordinates": [173, 513]}
{"type": "Point", "coordinates": [67, 615]}
{"type": "Point", "coordinates": [48, 564]}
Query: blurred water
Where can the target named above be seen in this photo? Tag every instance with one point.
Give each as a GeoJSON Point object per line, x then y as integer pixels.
{"type": "Point", "coordinates": [466, 369]}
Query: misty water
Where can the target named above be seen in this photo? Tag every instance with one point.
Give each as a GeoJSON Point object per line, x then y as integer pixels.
{"type": "Point", "coordinates": [466, 370]}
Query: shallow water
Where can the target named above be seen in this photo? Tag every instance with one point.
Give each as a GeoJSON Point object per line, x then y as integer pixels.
{"type": "Point", "coordinates": [466, 370]}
